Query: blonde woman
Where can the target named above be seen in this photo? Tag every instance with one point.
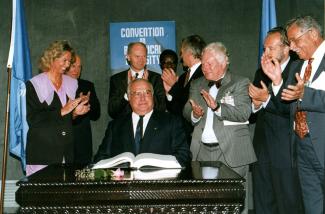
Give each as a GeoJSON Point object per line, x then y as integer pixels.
{"type": "Point", "coordinates": [51, 107]}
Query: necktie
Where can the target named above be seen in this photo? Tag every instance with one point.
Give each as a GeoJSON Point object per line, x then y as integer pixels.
{"type": "Point", "coordinates": [301, 127]}
{"type": "Point", "coordinates": [217, 83]}
{"type": "Point", "coordinates": [136, 75]}
{"type": "Point", "coordinates": [138, 134]}
{"type": "Point", "coordinates": [187, 78]}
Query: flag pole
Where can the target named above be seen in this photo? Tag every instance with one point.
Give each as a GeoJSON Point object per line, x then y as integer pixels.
{"type": "Point", "coordinates": [5, 142]}
{"type": "Point", "coordinates": [5, 146]}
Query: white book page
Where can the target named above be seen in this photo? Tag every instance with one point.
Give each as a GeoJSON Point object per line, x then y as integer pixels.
{"type": "Point", "coordinates": [156, 160]}
{"type": "Point", "coordinates": [114, 161]}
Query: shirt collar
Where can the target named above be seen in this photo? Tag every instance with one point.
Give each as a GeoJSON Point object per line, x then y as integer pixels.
{"type": "Point", "coordinates": [140, 73]}
{"type": "Point", "coordinates": [45, 91]}
{"type": "Point", "coordinates": [193, 69]}
{"type": "Point", "coordinates": [284, 65]}
{"type": "Point", "coordinates": [146, 116]}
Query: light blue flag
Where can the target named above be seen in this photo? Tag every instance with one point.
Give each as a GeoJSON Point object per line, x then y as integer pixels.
{"type": "Point", "coordinates": [268, 21]}
{"type": "Point", "coordinates": [19, 62]}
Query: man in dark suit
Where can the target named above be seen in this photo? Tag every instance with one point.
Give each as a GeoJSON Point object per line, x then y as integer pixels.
{"type": "Point", "coordinates": [305, 90]}
{"type": "Point", "coordinates": [137, 59]}
{"type": "Point", "coordinates": [83, 147]}
{"type": "Point", "coordinates": [161, 132]}
{"type": "Point", "coordinates": [275, 179]}
{"type": "Point", "coordinates": [177, 88]}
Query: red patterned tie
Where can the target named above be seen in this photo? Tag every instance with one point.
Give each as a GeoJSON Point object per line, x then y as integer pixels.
{"type": "Point", "coordinates": [301, 127]}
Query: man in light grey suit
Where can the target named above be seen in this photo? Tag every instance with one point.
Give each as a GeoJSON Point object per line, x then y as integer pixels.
{"type": "Point", "coordinates": [220, 113]}
{"type": "Point", "coordinates": [305, 90]}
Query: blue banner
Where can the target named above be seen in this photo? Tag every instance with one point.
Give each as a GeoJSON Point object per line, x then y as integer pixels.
{"type": "Point", "coordinates": [19, 62]}
{"type": "Point", "coordinates": [268, 21]}
{"type": "Point", "coordinates": [157, 35]}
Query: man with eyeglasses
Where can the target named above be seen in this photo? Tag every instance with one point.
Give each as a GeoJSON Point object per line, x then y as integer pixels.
{"type": "Point", "coordinates": [305, 91]}
{"type": "Point", "coordinates": [161, 132]}
{"type": "Point", "coordinates": [274, 176]}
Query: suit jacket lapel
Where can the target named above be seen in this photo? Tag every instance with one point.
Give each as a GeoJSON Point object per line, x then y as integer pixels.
{"type": "Point", "coordinates": [130, 146]}
{"type": "Point", "coordinates": [286, 70]}
{"type": "Point", "coordinates": [320, 69]}
{"type": "Point", "coordinates": [151, 129]}
{"type": "Point", "coordinates": [125, 82]}
{"type": "Point", "coordinates": [197, 73]}
{"type": "Point", "coordinates": [226, 79]}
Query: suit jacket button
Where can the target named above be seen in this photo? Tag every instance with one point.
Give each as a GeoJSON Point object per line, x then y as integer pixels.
{"type": "Point", "coordinates": [63, 133]}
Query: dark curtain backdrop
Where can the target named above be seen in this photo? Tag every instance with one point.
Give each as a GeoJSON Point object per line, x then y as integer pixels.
{"type": "Point", "coordinates": [85, 24]}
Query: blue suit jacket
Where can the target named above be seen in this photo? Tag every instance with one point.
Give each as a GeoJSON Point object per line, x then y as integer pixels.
{"type": "Point", "coordinates": [313, 102]}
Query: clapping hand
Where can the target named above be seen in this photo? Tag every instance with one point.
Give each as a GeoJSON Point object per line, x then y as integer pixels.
{"type": "Point", "coordinates": [197, 109]}
{"type": "Point", "coordinates": [84, 97]}
{"type": "Point", "coordinates": [294, 92]}
{"type": "Point", "coordinates": [208, 99]}
{"type": "Point", "coordinates": [70, 106]}
{"type": "Point", "coordinates": [271, 67]}
{"type": "Point", "coordinates": [169, 78]}
{"type": "Point", "coordinates": [82, 108]}
{"type": "Point", "coordinates": [258, 95]}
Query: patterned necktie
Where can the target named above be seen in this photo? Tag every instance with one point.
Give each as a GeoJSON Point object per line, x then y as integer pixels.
{"type": "Point", "coordinates": [138, 134]}
{"type": "Point", "coordinates": [301, 127]}
{"type": "Point", "coordinates": [187, 77]}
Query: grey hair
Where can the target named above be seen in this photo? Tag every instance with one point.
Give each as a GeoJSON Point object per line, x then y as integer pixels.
{"type": "Point", "coordinates": [195, 44]}
{"type": "Point", "coordinates": [305, 23]}
{"type": "Point", "coordinates": [139, 80]}
{"type": "Point", "coordinates": [220, 51]}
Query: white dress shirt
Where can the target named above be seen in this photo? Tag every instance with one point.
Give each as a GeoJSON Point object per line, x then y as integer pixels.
{"type": "Point", "coordinates": [135, 119]}
{"type": "Point", "coordinates": [208, 135]}
{"type": "Point", "coordinates": [133, 74]}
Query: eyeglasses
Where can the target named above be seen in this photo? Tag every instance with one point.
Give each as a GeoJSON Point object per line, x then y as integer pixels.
{"type": "Point", "coordinates": [138, 94]}
{"type": "Point", "coordinates": [297, 38]}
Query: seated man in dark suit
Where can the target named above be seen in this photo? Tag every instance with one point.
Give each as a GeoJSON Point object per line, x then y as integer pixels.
{"type": "Point", "coordinates": [136, 57]}
{"type": "Point", "coordinates": [161, 132]}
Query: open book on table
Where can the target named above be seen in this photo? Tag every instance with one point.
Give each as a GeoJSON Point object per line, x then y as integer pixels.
{"type": "Point", "coordinates": [143, 160]}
